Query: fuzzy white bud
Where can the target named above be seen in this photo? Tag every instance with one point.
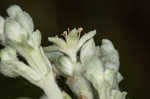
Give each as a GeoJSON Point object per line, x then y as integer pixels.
{"type": "Point", "coordinates": [14, 31]}
{"type": "Point", "coordinates": [25, 20]}
{"type": "Point", "coordinates": [8, 70]}
{"type": "Point", "coordinates": [110, 55]}
{"type": "Point", "coordinates": [35, 39]}
{"type": "Point", "coordinates": [8, 54]}
{"type": "Point", "coordinates": [14, 10]}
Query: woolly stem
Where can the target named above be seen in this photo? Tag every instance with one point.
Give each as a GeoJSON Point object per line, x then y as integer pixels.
{"type": "Point", "coordinates": [50, 87]}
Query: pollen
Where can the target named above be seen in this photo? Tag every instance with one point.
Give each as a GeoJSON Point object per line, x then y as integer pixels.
{"type": "Point", "coordinates": [65, 33]}
{"type": "Point", "coordinates": [83, 97]}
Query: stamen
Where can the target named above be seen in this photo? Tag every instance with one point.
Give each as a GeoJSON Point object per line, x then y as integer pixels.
{"type": "Point", "coordinates": [68, 30]}
{"type": "Point", "coordinates": [99, 54]}
{"type": "Point", "coordinates": [57, 36]}
{"type": "Point", "coordinates": [80, 29]}
{"type": "Point", "coordinates": [65, 33]}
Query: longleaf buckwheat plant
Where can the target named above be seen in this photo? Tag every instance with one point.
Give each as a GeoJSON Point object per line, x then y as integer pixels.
{"type": "Point", "coordinates": [91, 71]}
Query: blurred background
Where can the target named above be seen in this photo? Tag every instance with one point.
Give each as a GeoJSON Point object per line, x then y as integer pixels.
{"type": "Point", "coordinates": [125, 22]}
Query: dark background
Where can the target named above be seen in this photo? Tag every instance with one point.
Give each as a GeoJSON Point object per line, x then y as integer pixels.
{"type": "Point", "coordinates": [125, 22]}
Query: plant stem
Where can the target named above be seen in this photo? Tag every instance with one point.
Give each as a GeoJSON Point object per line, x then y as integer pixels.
{"type": "Point", "coordinates": [50, 87]}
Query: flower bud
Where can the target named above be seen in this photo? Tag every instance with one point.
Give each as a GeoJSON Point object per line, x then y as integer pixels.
{"type": "Point", "coordinates": [7, 54]}
{"type": "Point", "coordinates": [110, 56]}
{"type": "Point", "coordinates": [14, 10]}
{"type": "Point", "coordinates": [35, 39]}
{"type": "Point", "coordinates": [107, 46]}
{"type": "Point", "coordinates": [8, 70]}
{"type": "Point", "coordinates": [25, 20]}
{"type": "Point", "coordinates": [14, 31]}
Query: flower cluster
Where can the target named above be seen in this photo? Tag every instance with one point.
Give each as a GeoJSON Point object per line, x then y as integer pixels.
{"type": "Point", "coordinates": [19, 38]}
{"type": "Point", "coordinates": [92, 71]}
{"type": "Point", "coordinates": [96, 65]}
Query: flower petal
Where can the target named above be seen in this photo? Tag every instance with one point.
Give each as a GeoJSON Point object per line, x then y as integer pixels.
{"type": "Point", "coordinates": [50, 48]}
{"type": "Point", "coordinates": [35, 39]}
{"type": "Point", "coordinates": [26, 72]}
{"type": "Point", "coordinates": [87, 51]}
{"type": "Point", "coordinates": [66, 65]}
{"type": "Point", "coordinates": [59, 42]}
{"type": "Point", "coordinates": [86, 37]}
{"type": "Point", "coordinates": [73, 37]}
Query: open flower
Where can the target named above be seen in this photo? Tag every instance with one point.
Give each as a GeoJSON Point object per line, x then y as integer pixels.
{"type": "Point", "coordinates": [71, 44]}
{"type": "Point", "coordinates": [92, 74]}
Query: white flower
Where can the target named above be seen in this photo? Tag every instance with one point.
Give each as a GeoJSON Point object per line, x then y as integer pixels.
{"type": "Point", "coordinates": [73, 42]}
{"type": "Point", "coordinates": [93, 74]}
